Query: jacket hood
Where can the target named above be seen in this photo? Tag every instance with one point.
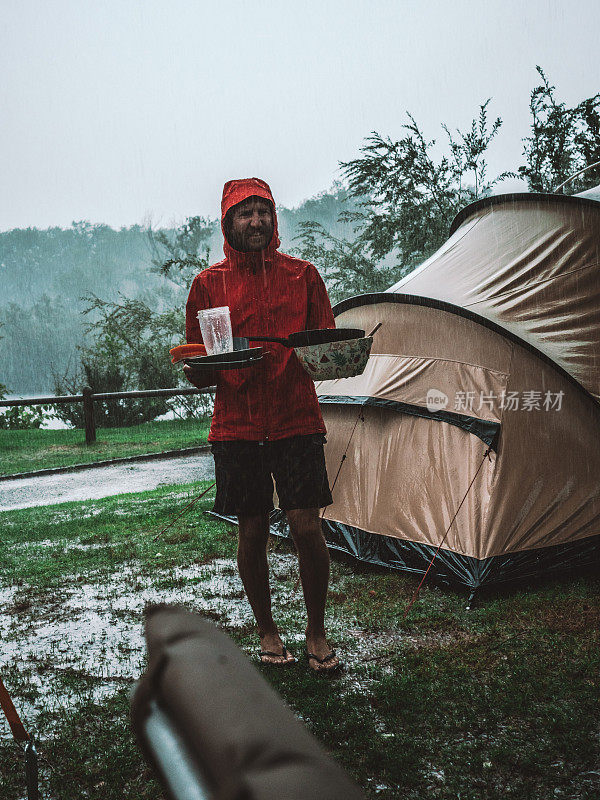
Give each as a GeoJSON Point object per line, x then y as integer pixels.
{"type": "Point", "coordinates": [234, 192]}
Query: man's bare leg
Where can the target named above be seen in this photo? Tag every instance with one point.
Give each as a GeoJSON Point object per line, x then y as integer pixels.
{"type": "Point", "coordinates": [254, 572]}
{"type": "Point", "coordinates": [313, 558]}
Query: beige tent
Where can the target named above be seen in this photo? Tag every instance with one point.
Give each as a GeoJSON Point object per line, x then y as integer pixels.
{"type": "Point", "coordinates": [481, 396]}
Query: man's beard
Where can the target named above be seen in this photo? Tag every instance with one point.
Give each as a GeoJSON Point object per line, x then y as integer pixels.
{"type": "Point", "coordinates": [242, 242]}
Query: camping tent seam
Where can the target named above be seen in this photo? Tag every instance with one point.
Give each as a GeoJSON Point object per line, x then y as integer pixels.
{"type": "Point", "coordinates": [487, 203]}
{"type": "Point", "coordinates": [511, 292]}
{"type": "Point", "coordinates": [446, 360]}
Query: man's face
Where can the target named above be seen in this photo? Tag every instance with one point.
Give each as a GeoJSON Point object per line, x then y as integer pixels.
{"type": "Point", "coordinates": [251, 225]}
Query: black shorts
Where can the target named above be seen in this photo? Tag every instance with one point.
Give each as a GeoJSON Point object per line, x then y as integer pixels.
{"type": "Point", "coordinates": [245, 472]}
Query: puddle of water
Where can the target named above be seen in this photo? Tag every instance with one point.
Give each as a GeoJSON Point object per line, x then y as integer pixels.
{"type": "Point", "coordinates": [96, 630]}
{"type": "Point", "coordinates": [56, 544]}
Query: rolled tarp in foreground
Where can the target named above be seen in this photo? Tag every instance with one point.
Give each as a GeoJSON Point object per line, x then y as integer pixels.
{"type": "Point", "coordinates": [484, 374]}
{"type": "Point", "coordinates": [214, 728]}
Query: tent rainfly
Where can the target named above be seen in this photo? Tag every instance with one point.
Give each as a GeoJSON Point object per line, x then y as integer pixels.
{"type": "Point", "coordinates": [485, 374]}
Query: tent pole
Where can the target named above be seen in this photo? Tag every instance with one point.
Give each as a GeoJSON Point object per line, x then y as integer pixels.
{"type": "Point", "coordinates": [585, 169]}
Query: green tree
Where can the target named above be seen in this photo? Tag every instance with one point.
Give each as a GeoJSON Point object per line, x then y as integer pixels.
{"type": "Point", "coordinates": [18, 417]}
{"type": "Point", "coordinates": [563, 141]}
{"type": "Point", "coordinates": [21, 418]}
{"type": "Point", "coordinates": [407, 198]}
{"type": "Point", "coordinates": [180, 254]}
{"type": "Point", "coordinates": [345, 264]}
{"type": "Point", "coordinates": [131, 339]}
{"type": "Point", "coordinates": [3, 389]}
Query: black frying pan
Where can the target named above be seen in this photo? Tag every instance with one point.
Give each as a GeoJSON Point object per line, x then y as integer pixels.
{"type": "Point", "coordinates": [304, 338]}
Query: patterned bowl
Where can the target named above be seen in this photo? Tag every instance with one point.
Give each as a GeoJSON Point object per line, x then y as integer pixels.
{"type": "Point", "coordinates": [345, 359]}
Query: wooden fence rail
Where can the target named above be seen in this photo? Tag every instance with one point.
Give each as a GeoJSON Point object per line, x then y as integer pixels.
{"type": "Point", "coordinates": [88, 397]}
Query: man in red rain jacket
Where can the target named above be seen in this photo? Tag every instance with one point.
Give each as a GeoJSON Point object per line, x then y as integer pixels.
{"type": "Point", "coordinates": [267, 423]}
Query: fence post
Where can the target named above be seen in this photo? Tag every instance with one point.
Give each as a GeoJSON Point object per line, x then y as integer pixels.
{"type": "Point", "coordinates": [88, 415]}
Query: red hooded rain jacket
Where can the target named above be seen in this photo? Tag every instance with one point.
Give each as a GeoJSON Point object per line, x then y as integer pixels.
{"type": "Point", "coordinates": [269, 294]}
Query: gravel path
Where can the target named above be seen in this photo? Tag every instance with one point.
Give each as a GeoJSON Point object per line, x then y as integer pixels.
{"type": "Point", "coordinates": [96, 482]}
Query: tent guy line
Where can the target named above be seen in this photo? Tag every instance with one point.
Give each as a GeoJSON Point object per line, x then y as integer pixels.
{"type": "Point", "coordinates": [439, 547]}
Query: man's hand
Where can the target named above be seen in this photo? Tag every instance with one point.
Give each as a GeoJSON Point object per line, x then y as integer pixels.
{"type": "Point", "coordinates": [200, 379]}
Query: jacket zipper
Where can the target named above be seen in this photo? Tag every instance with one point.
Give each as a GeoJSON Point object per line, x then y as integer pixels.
{"type": "Point", "coordinates": [266, 392]}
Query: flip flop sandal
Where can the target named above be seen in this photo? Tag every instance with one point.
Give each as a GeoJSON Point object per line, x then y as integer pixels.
{"type": "Point", "coordinates": [283, 654]}
{"type": "Point", "coordinates": [329, 657]}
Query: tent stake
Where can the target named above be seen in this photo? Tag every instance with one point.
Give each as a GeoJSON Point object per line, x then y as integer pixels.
{"type": "Point", "coordinates": [470, 600]}
{"type": "Point", "coordinates": [31, 771]}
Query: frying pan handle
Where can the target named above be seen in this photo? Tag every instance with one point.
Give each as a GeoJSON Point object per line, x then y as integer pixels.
{"type": "Point", "coordinates": [284, 342]}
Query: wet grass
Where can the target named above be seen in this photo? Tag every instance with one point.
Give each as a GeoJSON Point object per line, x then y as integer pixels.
{"type": "Point", "coordinates": [46, 547]}
{"type": "Point", "coordinates": [73, 762]}
{"type": "Point", "coordinates": [500, 701]}
{"type": "Point", "coordinates": [30, 450]}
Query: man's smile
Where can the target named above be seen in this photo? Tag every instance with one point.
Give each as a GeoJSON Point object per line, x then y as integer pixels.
{"type": "Point", "coordinates": [251, 225]}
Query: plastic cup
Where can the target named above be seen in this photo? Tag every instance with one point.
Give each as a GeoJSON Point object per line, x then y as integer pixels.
{"type": "Point", "coordinates": [215, 326]}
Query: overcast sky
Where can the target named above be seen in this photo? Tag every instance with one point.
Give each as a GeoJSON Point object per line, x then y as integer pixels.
{"type": "Point", "coordinates": [118, 111]}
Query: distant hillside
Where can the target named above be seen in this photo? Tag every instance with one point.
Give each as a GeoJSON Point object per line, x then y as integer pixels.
{"type": "Point", "coordinates": [44, 275]}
